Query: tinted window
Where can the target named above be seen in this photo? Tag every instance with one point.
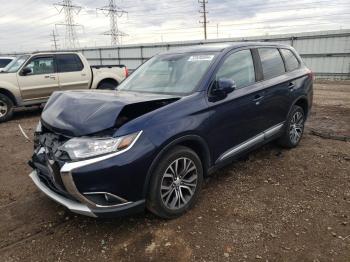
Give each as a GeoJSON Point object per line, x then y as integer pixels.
{"type": "Point", "coordinates": [69, 63]}
{"type": "Point", "coordinates": [4, 62]}
{"type": "Point", "coordinates": [272, 62]}
{"type": "Point", "coordinates": [291, 61]}
{"type": "Point", "coordinates": [238, 67]}
{"type": "Point", "coordinates": [41, 65]}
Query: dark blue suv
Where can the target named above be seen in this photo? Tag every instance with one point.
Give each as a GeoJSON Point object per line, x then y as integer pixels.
{"type": "Point", "coordinates": [176, 119]}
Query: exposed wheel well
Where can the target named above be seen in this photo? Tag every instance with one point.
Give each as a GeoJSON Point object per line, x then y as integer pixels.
{"type": "Point", "coordinates": [108, 81]}
{"type": "Point", "coordinates": [9, 95]}
{"type": "Point", "coordinates": [302, 102]}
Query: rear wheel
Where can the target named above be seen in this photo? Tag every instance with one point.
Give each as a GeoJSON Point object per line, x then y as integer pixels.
{"type": "Point", "coordinates": [294, 128]}
{"type": "Point", "coordinates": [176, 183]}
{"type": "Point", "coordinates": [107, 85]}
{"type": "Point", "coordinates": [6, 108]}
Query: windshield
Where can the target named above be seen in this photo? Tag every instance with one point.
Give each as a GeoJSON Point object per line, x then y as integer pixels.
{"type": "Point", "coordinates": [15, 64]}
{"type": "Point", "coordinates": [169, 74]}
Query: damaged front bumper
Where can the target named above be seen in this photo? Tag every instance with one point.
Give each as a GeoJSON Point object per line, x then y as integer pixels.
{"type": "Point", "coordinates": [86, 207]}
{"type": "Point", "coordinates": [68, 203]}
{"type": "Point", "coordinates": [56, 181]}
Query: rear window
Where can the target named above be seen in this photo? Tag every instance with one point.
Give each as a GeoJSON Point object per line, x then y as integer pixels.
{"type": "Point", "coordinates": [69, 63]}
{"type": "Point", "coordinates": [290, 59]}
{"type": "Point", "coordinates": [4, 62]}
{"type": "Point", "coordinates": [272, 62]}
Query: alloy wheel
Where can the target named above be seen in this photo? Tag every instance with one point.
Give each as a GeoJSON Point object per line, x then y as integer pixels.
{"type": "Point", "coordinates": [179, 183]}
{"type": "Point", "coordinates": [3, 108]}
{"type": "Point", "coordinates": [296, 127]}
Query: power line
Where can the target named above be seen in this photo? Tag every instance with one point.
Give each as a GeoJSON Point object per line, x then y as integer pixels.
{"type": "Point", "coordinates": [71, 38]}
{"type": "Point", "coordinates": [114, 12]}
{"type": "Point", "coordinates": [204, 16]}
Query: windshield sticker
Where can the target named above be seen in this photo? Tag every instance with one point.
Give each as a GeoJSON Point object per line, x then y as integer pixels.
{"type": "Point", "coordinates": [200, 58]}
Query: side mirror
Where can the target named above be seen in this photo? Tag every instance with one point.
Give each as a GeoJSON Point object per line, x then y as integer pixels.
{"type": "Point", "coordinates": [26, 71]}
{"type": "Point", "coordinates": [223, 86]}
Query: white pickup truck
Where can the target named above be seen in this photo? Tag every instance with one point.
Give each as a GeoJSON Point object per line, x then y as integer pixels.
{"type": "Point", "coordinates": [31, 79]}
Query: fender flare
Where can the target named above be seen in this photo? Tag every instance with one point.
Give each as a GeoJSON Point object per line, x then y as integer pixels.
{"type": "Point", "coordinates": [168, 146]}
{"type": "Point", "coordinates": [302, 97]}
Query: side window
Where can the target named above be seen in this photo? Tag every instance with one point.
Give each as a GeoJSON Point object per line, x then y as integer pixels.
{"type": "Point", "coordinates": [238, 67]}
{"type": "Point", "coordinates": [69, 63]}
{"type": "Point", "coordinates": [291, 61]}
{"type": "Point", "coordinates": [41, 65]}
{"type": "Point", "coordinates": [4, 62]}
{"type": "Point", "coordinates": [271, 62]}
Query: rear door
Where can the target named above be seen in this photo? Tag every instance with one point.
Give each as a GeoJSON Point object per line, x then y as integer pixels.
{"type": "Point", "coordinates": [42, 79]}
{"type": "Point", "coordinates": [71, 72]}
{"type": "Point", "coordinates": [275, 101]}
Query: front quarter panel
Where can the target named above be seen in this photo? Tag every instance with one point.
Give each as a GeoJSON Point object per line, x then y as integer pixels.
{"type": "Point", "coordinates": [8, 81]}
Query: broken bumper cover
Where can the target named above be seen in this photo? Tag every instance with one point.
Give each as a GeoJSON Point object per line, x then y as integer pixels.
{"type": "Point", "coordinates": [86, 208]}
{"type": "Point", "coordinates": [70, 204]}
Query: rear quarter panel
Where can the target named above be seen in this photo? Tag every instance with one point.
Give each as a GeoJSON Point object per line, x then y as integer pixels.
{"type": "Point", "coordinates": [116, 73]}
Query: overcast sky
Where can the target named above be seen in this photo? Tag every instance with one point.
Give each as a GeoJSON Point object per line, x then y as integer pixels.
{"type": "Point", "coordinates": [26, 25]}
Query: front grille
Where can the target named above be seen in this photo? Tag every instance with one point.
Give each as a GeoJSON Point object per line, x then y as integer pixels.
{"type": "Point", "coordinates": [48, 162]}
{"type": "Point", "coordinates": [52, 143]}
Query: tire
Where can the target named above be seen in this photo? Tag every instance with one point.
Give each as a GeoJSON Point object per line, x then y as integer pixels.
{"type": "Point", "coordinates": [107, 86]}
{"type": "Point", "coordinates": [294, 128]}
{"type": "Point", "coordinates": [6, 108]}
{"type": "Point", "coordinates": [179, 200]}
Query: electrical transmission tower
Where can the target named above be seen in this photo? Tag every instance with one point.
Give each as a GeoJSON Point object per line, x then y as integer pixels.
{"type": "Point", "coordinates": [54, 40]}
{"type": "Point", "coordinates": [114, 12]}
{"type": "Point", "coordinates": [204, 13]}
{"type": "Point", "coordinates": [70, 10]}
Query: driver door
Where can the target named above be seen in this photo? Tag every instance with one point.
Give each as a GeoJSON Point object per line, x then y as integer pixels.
{"type": "Point", "coordinates": [235, 118]}
{"type": "Point", "coordinates": [40, 80]}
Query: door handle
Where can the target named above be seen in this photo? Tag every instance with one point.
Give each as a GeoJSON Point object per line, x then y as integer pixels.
{"type": "Point", "coordinates": [291, 86]}
{"type": "Point", "coordinates": [257, 99]}
{"type": "Point", "coordinates": [50, 76]}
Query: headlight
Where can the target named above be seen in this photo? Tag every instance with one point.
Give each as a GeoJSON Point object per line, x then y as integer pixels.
{"type": "Point", "coordinates": [81, 148]}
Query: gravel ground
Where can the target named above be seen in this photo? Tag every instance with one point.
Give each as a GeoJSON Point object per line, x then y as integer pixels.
{"type": "Point", "coordinates": [275, 205]}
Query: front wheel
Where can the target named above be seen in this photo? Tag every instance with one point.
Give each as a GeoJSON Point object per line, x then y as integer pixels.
{"type": "Point", "coordinates": [6, 108]}
{"type": "Point", "coordinates": [294, 128]}
{"type": "Point", "coordinates": [176, 183]}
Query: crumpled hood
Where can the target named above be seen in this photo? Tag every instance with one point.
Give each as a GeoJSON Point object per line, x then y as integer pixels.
{"type": "Point", "coordinates": [80, 113]}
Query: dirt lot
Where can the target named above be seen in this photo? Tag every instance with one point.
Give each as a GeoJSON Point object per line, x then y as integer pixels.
{"type": "Point", "coordinates": [276, 205]}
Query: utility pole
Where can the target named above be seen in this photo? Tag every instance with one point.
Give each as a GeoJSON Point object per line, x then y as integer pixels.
{"type": "Point", "coordinates": [204, 13]}
{"type": "Point", "coordinates": [71, 38]}
{"type": "Point", "coordinates": [54, 39]}
{"type": "Point", "coordinates": [113, 12]}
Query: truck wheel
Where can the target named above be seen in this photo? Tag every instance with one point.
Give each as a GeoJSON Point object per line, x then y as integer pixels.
{"type": "Point", "coordinates": [6, 108]}
{"type": "Point", "coordinates": [294, 128]}
{"type": "Point", "coordinates": [175, 184]}
{"type": "Point", "coordinates": [107, 86]}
